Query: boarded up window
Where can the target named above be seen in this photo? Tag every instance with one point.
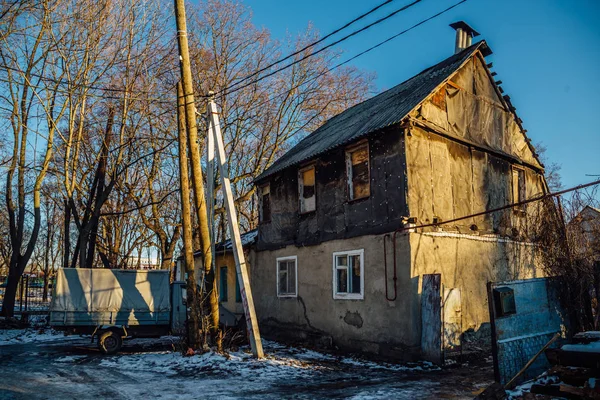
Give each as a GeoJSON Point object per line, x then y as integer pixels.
{"type": "Point", "coordinates": [306, 189]}
{"type": "Point", "coordinates": [357, 166]}
{"type": "Point", "coordinates": [518, 185]}
{"type": "Point", "coordinates": [265, 204]}
{"type": "Point", "coordinates": [439, 98]}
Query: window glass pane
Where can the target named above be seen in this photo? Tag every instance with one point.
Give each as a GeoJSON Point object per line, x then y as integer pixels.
{"type": "Point", "coordinates": [342, 261]}
{"type": "Point", "coordinates": [291, 277]}
{"type": "Point", "coordinates": [308, 177]}
{"type": "Point", "coordinates": [342, 280]}
{"type": "Point", "coordinates": [355, 274]}
{"type": "Point", "coordinates": [282, 281]}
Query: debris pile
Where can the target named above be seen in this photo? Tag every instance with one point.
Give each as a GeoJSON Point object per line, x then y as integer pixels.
{"type": "Point", "coordinates": [575, 368]}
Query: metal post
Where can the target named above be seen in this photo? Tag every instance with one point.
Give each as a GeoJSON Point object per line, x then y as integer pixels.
{"type": "Point", "coordinates": [234, 231]}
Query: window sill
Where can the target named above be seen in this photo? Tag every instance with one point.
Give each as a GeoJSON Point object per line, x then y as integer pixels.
{"type": "Point", "coordinates": [354, 296]}
{"type": "Point", "coordinates": [307, 213]}
{"type": "Point", "coordinates": [287, 296]}
{"type": "Point", "coordinates": [358, 200]}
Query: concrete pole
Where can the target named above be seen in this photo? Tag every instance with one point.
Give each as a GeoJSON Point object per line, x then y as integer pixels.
{"type": "Point", "coordinates": [234, 232]}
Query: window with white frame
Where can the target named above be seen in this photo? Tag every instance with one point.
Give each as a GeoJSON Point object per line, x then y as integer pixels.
{"type": "Point", "coordinates": [357, 171]}
{"type": "Point", "coordinates": [306, 189]}
{"type": "Point", "coordinates": [348, 274]}
{"type": "Point", "coordinates": [287, 276]}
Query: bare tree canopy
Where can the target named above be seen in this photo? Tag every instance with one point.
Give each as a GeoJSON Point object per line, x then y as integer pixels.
{"type": "Point", "coordinates": [89, 160]}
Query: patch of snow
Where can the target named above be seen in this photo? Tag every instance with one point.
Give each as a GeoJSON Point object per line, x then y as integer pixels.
{"type": "Point", "coordinates": [68, 359]}
{"type": "Point", "coordinates": [525, 387]}
{"type": "Point", "coordinates": [22, 336]}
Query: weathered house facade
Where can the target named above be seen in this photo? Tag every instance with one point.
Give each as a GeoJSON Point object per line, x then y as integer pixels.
{"type": "Point", "coordinates": [356, 214]}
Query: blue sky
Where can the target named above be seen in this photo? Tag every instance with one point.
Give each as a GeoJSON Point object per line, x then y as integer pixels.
{"type": "Point", "coordinates": [547, 54]}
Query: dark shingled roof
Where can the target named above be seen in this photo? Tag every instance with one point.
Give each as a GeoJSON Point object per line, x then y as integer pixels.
{"type": "Point", "coordinates": [385, 109]}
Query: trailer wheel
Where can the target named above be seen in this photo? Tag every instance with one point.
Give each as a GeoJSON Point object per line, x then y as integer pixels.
{"type": "Point", "coordinates": [109, 342]}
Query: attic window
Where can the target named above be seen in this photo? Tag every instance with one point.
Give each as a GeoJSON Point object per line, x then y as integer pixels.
{"type": "Point", "coordinates": [265, 203]}
{"type": "Point", "coordinates": [357, 170]}
{"type": "Point", "coordinates": [518, 185]}
{"type": "Point", "coordinates": [306, 189]}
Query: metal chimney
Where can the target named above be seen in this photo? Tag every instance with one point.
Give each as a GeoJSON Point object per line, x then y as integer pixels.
{"type": "Point", "coordinates": [464, 35]}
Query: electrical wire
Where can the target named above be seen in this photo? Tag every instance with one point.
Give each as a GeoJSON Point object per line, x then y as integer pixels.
{"type": "Point", "coordinates": [310, 45]}
{"type": "Point", "coordinates": [314, 53]}
{"type": "Point", "coordinates": [358, 55]}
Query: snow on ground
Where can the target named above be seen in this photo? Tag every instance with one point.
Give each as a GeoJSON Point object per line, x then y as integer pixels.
{"type": "Point", "coordinates": [519, 391]}
{"type": "Point", "coordinates": [279, 362]}
{"type": "Point", "coordinates": [22, 336]}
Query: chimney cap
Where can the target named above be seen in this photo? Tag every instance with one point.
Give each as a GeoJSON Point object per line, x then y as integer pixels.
{"type": "Point", "coordinates": [465, 27]}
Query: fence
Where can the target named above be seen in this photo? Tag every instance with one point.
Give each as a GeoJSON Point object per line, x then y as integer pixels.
{"type": "Point", "coordinates": [30, 295]}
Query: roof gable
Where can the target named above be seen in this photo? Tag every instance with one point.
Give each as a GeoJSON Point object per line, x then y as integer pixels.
{"type": "Point", "coordinates": [385, 109]}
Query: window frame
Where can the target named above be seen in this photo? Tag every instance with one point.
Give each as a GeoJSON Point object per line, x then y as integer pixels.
{"type": "Point", "coordinates": [287, 258]}
{"type": "Point", "coordinates": [261, 216]}
{"type": "Point", "coordinates": [349, 178]}
{"type": "Point", "coordinates": [301, 188]}
{"type": "Point", "coordinates": [349, 296]}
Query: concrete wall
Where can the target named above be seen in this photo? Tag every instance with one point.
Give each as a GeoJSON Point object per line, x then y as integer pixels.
{"type": "Point", "coordinates": [372, 325]}
{"type": "Point", "coordinates": [468, 262]}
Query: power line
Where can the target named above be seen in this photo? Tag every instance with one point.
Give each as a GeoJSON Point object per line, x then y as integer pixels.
{"type": "Point", "coordinates": [380, 20]}
{"type": "Point", "coordinates": [358, 55]}
{"type": "Point", "coordinates": [508, 206]}
{"type": "Point", "coordinates": [71, 83]}
{"type": "Point", "coordinates": [310, 45]}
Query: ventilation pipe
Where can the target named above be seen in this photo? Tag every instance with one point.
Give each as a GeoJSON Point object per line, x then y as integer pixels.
{"type": "Point", "coordinates": [464, 35]}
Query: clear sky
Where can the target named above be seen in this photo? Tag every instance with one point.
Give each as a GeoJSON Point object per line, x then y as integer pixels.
{"type": "Point", "coordinates": [546, 52]}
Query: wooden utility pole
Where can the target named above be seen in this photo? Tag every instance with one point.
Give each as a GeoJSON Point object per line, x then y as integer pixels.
{"type": "Point", "coordinates": [200, 200]}
{"type": "Point", "coordinates": [234, 231]}
{"type": "Point", "coordinates": [194, 340]}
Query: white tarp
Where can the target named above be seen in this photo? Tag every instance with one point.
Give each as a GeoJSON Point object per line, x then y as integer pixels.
{"type": "Point", "coordinates": [111, 290]}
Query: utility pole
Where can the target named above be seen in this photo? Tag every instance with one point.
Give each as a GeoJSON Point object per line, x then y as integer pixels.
{"type": "Point", "coordinates": [234, 230]}
{"type": "Point", "coordinates": [200, 200]}
{"type": "Point", "coordinates": [186, 216]}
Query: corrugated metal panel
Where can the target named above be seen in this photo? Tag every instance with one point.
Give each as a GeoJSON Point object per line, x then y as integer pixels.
{"type": "Point", "coordinates": [383, 110]}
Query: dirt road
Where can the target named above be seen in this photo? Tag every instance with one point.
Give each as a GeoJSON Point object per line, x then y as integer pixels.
{"type": "Point", "coordinates": [74, 369]}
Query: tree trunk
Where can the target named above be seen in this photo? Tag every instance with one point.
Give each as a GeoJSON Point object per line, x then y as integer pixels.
{"type": "Point", "coordinates": [187, 94]}
{"type": "Point", "coordinates": [194, 338]}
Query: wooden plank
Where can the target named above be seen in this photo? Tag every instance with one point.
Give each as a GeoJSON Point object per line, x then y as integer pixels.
{"type": "Point", "coordinates": [234, 231]}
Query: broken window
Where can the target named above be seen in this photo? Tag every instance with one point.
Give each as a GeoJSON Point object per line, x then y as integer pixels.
{"type": "Point", "coordinates": [287, 277]}
{"type": "Point", "coordinates": [265, 204]}
{"type": "Point", "coordinates": [306, 189]}
{"type": "Point", "coordinates": [357, 167]}
{"type": "Point", "coordinates": [518, 185]}
{"type": "Point", "coordinates": [348, 275]}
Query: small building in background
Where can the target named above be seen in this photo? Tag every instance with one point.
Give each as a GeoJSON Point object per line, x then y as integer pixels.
{"type": "Point", "coordinates": [226, 281]}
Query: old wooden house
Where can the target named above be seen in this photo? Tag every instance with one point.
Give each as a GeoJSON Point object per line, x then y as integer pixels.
{"type": "Point", "coordinates": [355, 215]}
